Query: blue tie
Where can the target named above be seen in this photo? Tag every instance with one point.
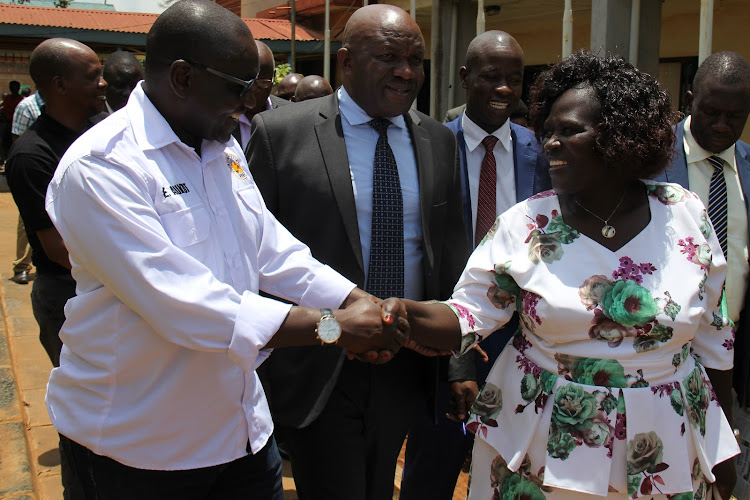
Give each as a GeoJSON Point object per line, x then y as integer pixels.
{"type": "Point", "coordinates": [385, 276]}
{"type": "Point", "coordinates": [717, 201]}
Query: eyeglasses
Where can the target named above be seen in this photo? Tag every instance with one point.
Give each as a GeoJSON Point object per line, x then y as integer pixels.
{"type": "Point", "coordinates": [246, 85]}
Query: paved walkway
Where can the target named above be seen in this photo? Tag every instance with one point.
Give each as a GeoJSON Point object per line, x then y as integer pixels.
{"type": "Point", "coordinates": [29, 458]}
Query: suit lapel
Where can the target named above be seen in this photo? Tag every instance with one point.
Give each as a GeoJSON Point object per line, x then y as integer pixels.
{"type": "Point", "coordinates": [423, 152]}
{"type": "Point", "coordinates": [330, 136]}
{"type": "Point", "coordinates": [678, 172]}
{"type": "Point", "coordinates": [465, 192]}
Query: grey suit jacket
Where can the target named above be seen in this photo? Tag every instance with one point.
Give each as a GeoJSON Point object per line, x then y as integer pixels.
{"type": "Point", "coordinates": [298, 159]}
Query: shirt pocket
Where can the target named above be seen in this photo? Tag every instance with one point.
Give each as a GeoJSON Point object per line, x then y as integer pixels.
{"type": "Point", "coordinates": [251, 199]}
{"type": "Point", "coordinates": [188, 226]}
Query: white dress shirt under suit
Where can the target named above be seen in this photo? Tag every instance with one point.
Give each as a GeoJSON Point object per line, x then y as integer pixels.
{"type": "Point", "coordinates": [360, 139]}
{"type": "Point", "coordinates": [169, 250]}
{"type": "Point", "coordinates": [503, 152]}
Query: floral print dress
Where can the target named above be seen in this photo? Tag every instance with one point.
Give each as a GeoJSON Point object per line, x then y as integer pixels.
{"type": "Point", "coordinates": [602, 391]}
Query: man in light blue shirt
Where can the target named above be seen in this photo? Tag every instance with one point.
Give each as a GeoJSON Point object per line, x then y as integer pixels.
{"type": "Point", "coordinates": [319, 165]}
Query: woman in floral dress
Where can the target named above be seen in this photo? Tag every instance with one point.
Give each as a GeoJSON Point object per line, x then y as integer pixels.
{"type": "Point", "coordinates": [606, 388]}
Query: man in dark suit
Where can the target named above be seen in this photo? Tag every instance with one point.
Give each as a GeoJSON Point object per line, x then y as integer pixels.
{"type": "Point", "coordinates": [262, 92]}
{"type": "Point", "coordinates": [707, 145]}
{"type": "Point", "coordinates": [514, 169]}
{"type": "Point", "coordinates": [320, 166]}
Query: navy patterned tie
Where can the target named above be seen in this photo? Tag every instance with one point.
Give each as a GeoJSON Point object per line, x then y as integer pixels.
{"type": "Point", "coordinates": [385, 275]}
{"type": "Point", "coordinates": [717, 201]}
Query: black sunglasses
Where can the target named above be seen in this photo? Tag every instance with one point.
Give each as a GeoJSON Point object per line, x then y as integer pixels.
{"type": "Point", "coordinates": [245, 84]}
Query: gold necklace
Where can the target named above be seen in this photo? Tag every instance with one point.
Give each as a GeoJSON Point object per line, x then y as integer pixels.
{"type": "Point", "coordinates": [607, 231]}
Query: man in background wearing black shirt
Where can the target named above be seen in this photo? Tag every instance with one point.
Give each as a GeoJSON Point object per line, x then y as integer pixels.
{"type": "Point", "coordinates": [69, 76]}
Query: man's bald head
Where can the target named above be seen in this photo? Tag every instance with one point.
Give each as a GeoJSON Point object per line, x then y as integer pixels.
{"type": "Point", "coordinates": [312, 87]}
{"type": "Point", "coordinates": [726, 68]}
{"type": "Point", "coordinates": [122, 71]}
{"type": "Point", "coordinates": [288, 85]}
{"type": "Point", "coordinates": [266, 61]}
{"type": "Point", "coordinates": [492, 41]}
{"type": "Point", "coordinates": [377, 17]}
{"type": "Point", "coordinates": [199, 58]}
{"type": "Point", "coordinates": [382, 59]}
{"type": "Point", "coordinates": [69, 76]}
{"type": "Point", "coordinates": [53, 57]}
{"type": "Point", "coordinates": [194, 30]}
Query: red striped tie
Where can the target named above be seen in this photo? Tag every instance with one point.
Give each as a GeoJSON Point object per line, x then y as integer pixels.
{"type": "Point", "coordinates": [486, 200]}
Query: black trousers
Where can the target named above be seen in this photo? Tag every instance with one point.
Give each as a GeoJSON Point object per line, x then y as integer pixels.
{"type": "Point", "coordinates": [350, 451]}
{"type": "Point", "coordinates": [256, 477]}
{"type": "Point", "coordinates": [49, 293]}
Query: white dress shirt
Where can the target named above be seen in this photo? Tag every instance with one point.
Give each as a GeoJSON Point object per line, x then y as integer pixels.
{"type": "Point", "coordinates": [246, 127]}
{"type": "Point", "coordinates": [361, 140]}
{"type": "Point", "coordinates": [699, 177]}
{"type": "Point", "coordinates": [506, 174]}
{"type": "Point", "coordinates": [169, 250]}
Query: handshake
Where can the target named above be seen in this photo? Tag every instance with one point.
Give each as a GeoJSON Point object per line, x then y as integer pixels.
{"type": "Point", "coordinates": [374, 330]}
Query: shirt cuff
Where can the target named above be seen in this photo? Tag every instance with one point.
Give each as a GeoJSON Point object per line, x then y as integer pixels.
{"type": "Point", "coordinates": [257, 322]}
{"type": "Point", "coordinates": [327, 289]}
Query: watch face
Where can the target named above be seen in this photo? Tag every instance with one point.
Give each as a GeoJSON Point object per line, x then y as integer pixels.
{"type": "Point", "coordinates": [329, 330]}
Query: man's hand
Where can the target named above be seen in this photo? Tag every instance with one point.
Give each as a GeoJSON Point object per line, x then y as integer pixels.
{"type": "Point", "coordinates": [366, 330]}
{"type": "Point", "coordinates": [371, 356]}
{"type": "Point", "coordinates": [463, 394]}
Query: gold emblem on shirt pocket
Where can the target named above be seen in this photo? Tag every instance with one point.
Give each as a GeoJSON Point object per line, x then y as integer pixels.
{"type": "Point", "coordinates": [188, 226]}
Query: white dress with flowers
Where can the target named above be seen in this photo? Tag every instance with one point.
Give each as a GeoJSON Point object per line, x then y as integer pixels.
{"type": "Point", "coordinates": [602, 391]}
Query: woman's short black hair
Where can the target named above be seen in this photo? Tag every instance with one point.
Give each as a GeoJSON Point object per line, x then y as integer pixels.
{"type": "Point", "coordinates": [634, 133]}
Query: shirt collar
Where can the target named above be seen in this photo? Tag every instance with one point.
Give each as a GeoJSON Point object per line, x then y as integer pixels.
{"type": "Point", "coordinates": [474, 134]}
{"type": "Point", "coordinates": [355, 115]}
{"type": "Point", "coordinates": [695, 153]}
{"type": "Point", "coordinates": [143, 113]}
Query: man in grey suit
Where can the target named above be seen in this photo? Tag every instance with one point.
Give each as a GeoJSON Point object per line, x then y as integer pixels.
{"type": "Point", "coordinates": [319, 165]}
{"type": "Point", "coordinates": [262, 92]}
{"type": "Point", "coordinates": [707, 145]}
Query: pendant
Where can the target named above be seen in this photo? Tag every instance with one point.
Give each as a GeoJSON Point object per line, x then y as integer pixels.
{"type": "Point", "coordinates": [608, 231]}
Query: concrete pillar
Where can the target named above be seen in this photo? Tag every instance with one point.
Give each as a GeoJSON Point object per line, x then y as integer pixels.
{"type": "Point", "coordinates": [610, 27]}
{"type": "Point", "coordinates": [706, 30]}
{"type": "Point", "coordinates": [440, 61]}
{"type": "Point", "coordinates": [650, 37]}
{"type": "Point", "coordinates": [610, 31]}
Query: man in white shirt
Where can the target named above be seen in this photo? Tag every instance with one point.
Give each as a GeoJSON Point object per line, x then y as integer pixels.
{"type": "Point", "coordinates": [170, 243]}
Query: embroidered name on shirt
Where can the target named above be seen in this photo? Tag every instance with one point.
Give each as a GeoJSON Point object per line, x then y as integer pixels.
{"type": "Point", "coordinates": [180, 188]}
{"type": "Point", "coordinates": [234, 165]}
